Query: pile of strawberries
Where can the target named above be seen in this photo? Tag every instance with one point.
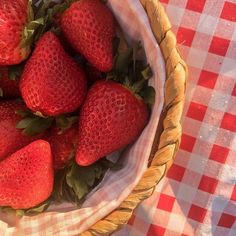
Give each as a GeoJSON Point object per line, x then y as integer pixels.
{"type": "Point", "coordinates": [69, 94]}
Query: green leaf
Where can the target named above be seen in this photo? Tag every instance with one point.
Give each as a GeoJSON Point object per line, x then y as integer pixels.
{"type": "Point", "coordinates": [138, 86]}
{"type": "Point", "coordinates": [56, 31]}
{"type": "Point", "coordinates": [149, 95]}
{"type": "Point", "coordinates": [10, 210]}
{"type": "Point", "coordinates": [40, 114]}
{"type": "Point", "coordinates": [116, 43]}
{"type": "Point", "coordinates": [20, 213]}
{"type": "Point", "coordinates": [111, 165]}
{"type": "Point", "coordinates": [136, 48]}
{"type": "Point", "coordinates": [25, 123]}
{"type": "Point", "coordinates": [122, 62]}
{"type": "Point", "coordinates": [132, 72]}
{"type": "Point", "coordinates": [35, 23]}
{"type": "Point", "coordinates": [24, 113]}
{"type": "Point", "coordinates": [40, 208]}
{"type": "Point", "coordinates": [64, 123]}
{"type": "Point", "coordinates": [37, 126]}
{"type": "Point", "coordinates": [1, 92]}
{"type": "Point", "coordinates": [42, 8]}
{"type": "Point", "coordinates": [33, 123]}
{"type": "Point", "coordinates": [30, 10]}
{"type": "Point", "coordinates": [82, 179]}
{"type": "Point", "coordinates": [15, 71]}
{"type": "Point", "coordinates": [32, 211]}
{"type": "Point", "coordinates": [147, 73]}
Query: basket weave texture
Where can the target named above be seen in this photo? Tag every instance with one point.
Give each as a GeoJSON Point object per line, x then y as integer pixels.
{"type": "Point", "coordinates": [169, 132]}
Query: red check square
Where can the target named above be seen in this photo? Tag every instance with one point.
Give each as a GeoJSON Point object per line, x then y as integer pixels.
{"type": "Point", "coordinates": [156, 230]}
{"type": "Point", "coordinates": [219, 154]}
{"type": "Point", "coordinates": [229, 11]}
{"type": "Point", "coordinates": [166, 202]}
{"type": "Point", "coordinates": [164, 1]}
{"type": "Point", "coordinates": [185, 36]}
{"type": "Point", "coordinates": [131, 220]}
{"type": "Point", "coordinates": [187, 142]}
{"type": "Point", "coordinates": [176, 172]}
{"type": "Point", "coordinates": [219, 46]}
{"type": "Point", "coordinates": [233, 195]}
{"type": "Point", "coordinates": [229, 122]}
{"type": "Point", "coordinates": [197, 213]}
{"type": "Point", "coordinates": [208, 184]}
{"type": "Point", "coordinates": [226, 220]}
{"type": "Point", "coordinates": [196, 5]}
{"type": "Point", "coordinates": [207, 79]}
{"type": "Point", "coordinates": [234, 91]}
{"type": "Point", "coordinates": [196, 111]}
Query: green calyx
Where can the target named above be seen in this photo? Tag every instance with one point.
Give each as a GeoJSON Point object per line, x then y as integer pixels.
{"type": "Point", "coordinates": [41, 15]}
{"type": "Point", "coordinates": [75, 182]}
{"type": "Point", "coordinates": [132, 72]}
{"type": "Point", "coordinates": [36, 123]}
{"type": "Point", "coordinates": [15, 71]}
{"type": "Point", "coordinates": [31, 27]}
{"type": "Point", "coordinates": [32, 124]}
{"type": "Point", "coordinates": [49, 10]}
{"type": "Point", "coordinates": [64, 122]}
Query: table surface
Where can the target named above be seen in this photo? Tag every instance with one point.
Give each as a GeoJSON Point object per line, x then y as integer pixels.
{"type": "Point", "coordinates": [198, 196]}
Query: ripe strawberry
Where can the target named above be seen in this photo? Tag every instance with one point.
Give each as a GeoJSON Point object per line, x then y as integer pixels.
{"type": "Point", "coordinates": [111, 118]}
{"type": "Point", "coordinates": [62, 145]}
{"type": "Point", "coordinates": [10, 87]}
{"type": "Point", "coordinates": [11, 138]}
{"type": "Point", "coordinates": [90, 28]}
{"type": "Point", "coordinates": [52, 83]}
{"type": "Point", "coordinates": [26, 177]}
{"type": "Point", "coordinates": [14, 16]}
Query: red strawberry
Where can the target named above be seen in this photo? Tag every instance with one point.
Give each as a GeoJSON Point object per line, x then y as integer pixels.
{"type": "Point", "coordinates": [14, 15]}
{"type": "Point", "coordinates": [26, 177]}
{"type": "Point", "coordinates": [10, 87]}
{"type": "Point", "coordinates": [90, 28]}
{"type": "Point", "coordinates": [11, 138]}
{"type": "Point", "coordinates": [52, 83]}
{"type": "Point", "coordinates": [111, 118]}
{"type": "Point", "coordinates": [62, 145]}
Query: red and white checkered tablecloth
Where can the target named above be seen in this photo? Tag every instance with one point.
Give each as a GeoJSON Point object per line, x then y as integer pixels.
{"type": "Point", "coordinates": [198, 196]}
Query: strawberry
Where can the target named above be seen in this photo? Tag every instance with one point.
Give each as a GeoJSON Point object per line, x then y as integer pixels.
{"type": "Point", "coordinates": [10, 87]}
{"type": "Point", "coordinates": [26, 177]}
{"type": "Point", "coordinates": [89, 26]}
{"type": "Point", "coordinates": [11, 138]}
{"type": "Point", "coordinates": [52, 83]}
{"type": "Point", "coordinates": [62, 145]}
{"type": "Point", "coordinates": [111, 118]}
{"type": "Point", "coordinates": [14, 16]}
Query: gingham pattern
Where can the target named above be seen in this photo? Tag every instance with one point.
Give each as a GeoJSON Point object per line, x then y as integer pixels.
{"type": "Point", "coordinates": [198, 196]}
{"type": "Point", "coordinates": [116, 186]}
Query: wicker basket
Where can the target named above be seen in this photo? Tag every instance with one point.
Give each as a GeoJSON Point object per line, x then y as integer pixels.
{"type": "Point", "coordinates": [169, 131]}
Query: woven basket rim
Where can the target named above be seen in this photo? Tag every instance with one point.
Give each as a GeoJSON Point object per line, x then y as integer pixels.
{"type": "Point", "coordinates": [169, 136]}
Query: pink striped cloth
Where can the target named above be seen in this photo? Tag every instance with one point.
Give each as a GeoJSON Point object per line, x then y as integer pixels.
{"type": "Point", "coordinates": [116, 186]}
